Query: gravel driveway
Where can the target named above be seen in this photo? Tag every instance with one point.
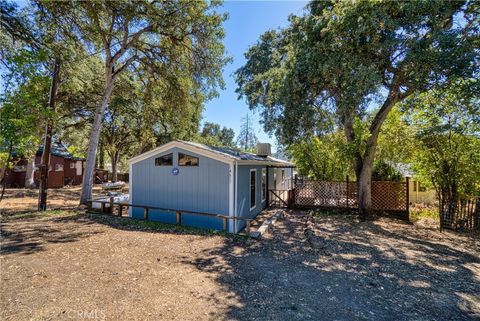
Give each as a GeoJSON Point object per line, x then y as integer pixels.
{"type": "Point", "coordinates": [87, 267]}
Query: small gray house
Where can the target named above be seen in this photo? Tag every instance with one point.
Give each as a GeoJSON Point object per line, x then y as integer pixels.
{"type": "Point", "coordinates": [188, 176]}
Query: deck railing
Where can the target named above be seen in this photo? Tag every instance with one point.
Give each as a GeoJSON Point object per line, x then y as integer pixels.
{"type": "Point", "coordinates": [178, 213]}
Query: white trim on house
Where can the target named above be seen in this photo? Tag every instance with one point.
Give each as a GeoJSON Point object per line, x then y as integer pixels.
{"type": "Point", "coordinates": [203, 151]}
{"type": "Point", "coordinates": [264, 163]}
{"type": "Point", "coordinates": [231, 195]}
{"type": "Point", "coordinates": [236, 196]}
{"type": "Point", "coordinates": [250, 188]}
{"type": "Point", "coordinates": [182, 145]}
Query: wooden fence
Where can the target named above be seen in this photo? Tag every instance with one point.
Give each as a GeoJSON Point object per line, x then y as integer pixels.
{"type": "Point", "coordinates": [117, 208]}
{"type": "Point", "coordinates": [464, 215]}
{"type": "Point", "coordinates": [387, 196]}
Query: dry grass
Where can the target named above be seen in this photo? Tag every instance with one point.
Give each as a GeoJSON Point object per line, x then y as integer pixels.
{"type": "Point", "coordinates": [22, 200]}
{"type": "Point", "coordinates": [65, 266]}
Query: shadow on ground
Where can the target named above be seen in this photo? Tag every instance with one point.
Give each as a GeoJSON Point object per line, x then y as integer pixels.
{"type": "Point", "coordinates": [363, 271]}
{"type": "Point", "coordinates": [30, 235]}
{"type": "Point", "coordinates": [359, 271]}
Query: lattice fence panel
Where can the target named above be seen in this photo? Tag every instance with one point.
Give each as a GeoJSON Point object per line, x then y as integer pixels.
{"type": "Point", "coordinates": [389, 196]}
{"type": "Point", "coordinates": [322, 194]}
{"type": "Point", "coordinates": [386, 196]}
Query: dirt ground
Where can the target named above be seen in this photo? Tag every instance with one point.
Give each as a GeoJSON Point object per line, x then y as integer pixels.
{"type": "Point", "coordinates": [23, 200]}
{"type": "Point", "coordinates": [94, 267]}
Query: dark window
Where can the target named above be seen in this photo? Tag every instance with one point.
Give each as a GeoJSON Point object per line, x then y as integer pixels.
{"type": "Point", "coordinates": [165, 160]}
{"type": "Point", "coordinates": [421, 188]}
{"type": "Point", "coordinates": [253, 192]}
{"type": "Point", "coordinates": [187, 160]}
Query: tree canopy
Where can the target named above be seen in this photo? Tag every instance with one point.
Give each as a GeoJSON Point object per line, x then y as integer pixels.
{"type": "Point", "coordinates": [346, 62]}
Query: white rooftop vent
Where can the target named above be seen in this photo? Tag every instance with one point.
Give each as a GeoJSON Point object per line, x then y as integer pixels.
{"type": "Point", "coordinates": [264, 149]}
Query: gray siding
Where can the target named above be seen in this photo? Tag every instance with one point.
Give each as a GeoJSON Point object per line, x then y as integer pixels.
{"type": "Point", "coordinates": [203, 188]}
{"type": "Point", "coordinates": [243, 193]}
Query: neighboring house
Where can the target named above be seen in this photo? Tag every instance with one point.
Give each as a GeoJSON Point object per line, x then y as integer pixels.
{"type": "Point", "coordinates": [64, 169]}
{"type": "Point", "coordinates": [421, 194]}
{"type": "Point", "coordinates": [195, 177]}
{"type": "Point", "coordinates": [418, 193]}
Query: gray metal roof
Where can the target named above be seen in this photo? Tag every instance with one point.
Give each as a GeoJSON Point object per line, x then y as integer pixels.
{"type": "Point", "coordinates": [238, 155]}
{"type": "Point", "coordinates": [58, 149]}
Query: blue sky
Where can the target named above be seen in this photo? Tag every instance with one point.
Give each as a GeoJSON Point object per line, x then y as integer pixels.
{"type": "Point", "coordinates": [247, 21]}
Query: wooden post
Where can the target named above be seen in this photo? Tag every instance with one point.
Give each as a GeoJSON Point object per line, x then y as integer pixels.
{"type": "Point", "coordinates": [111, 205]}
{"type": "Point", "coordinates": [225, 223]}
{"type": "Point", "coordinates": [145, 213]}
{"type": "Point", "coordinates": [89, 206]}
{"type": "Point", "coordinates": [179, 217]}
{"type": "Point", "coordinates": [102, 207]}
{"type": "Point", "coordinates": [408, 197]}
{"type": "Point", "coordinates": [120, 209]}
{"type": "Point", "coordinates": [247, 228]}
{"type": "Point", "coordinates": [348, 192]}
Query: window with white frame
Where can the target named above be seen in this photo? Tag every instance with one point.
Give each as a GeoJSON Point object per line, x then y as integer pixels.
{"type": "Point", "coordinates": [72, 165]}
{"type": "Point", "coordinates": [253, 188]}
{"type": "Point", "coordinates": [58, 167]}
{"type": "Point", "coordinates": [264, 184]}
{"type": "Point", "coordinates": [19, 168]}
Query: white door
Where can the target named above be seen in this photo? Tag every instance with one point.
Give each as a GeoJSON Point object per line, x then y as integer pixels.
{"type": "Point", "coordinates": [78, 166]}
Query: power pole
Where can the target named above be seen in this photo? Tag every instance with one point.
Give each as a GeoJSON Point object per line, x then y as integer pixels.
{"type": "Point", "coordinates": [44, 166]}
{"type": "Point", "coordinates": [246, 135]}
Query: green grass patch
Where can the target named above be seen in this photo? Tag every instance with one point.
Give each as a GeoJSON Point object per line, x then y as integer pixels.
{"type": "Point", "coordinates": [48, 213]}
{"type": "Point", "coordinates": [331, 212]}
{"type": "Point", "coordinates": [417, 214]}
{"type": "Point", "coordinates": [136, 224]}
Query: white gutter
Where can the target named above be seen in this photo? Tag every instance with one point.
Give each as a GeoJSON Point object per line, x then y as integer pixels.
{"type": "Point", "coordinates": [231, 196]}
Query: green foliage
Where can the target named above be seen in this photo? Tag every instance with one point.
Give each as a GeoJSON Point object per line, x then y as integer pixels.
{"type": "Point", "coordinates": [448, 126]}
{"type": "Point", "coordinates": [21, 115]}
{"type": "Point", "coordinates": [419, 213]}
{"type": "Point", "coordinates": [214, 135]}
{"type": "Point", "coordinates": [397, 142]}
{"type": "Point", "coordinates": [346, 64]}
{"type": "Point", "coordinates": [383, 171]}
{"type": "Point", "coordinates": [322, 158]}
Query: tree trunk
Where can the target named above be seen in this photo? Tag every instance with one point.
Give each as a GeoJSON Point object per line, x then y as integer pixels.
{"type": "Point", "coordinates": [42, 190]}
{"type": "Point", "coordinates": [95, 137]}
{"type": "Point", "coordinates": [364, 182]}
{"type": "Point", "coordinates": [364, 163]}
{"type": "Point", "coordinates": [30, 174]}
{"type": "Point", "coordinates": [101, 156]}
{"type": "Point", "coordinates": [4, 172]}
{"type": "Point", "coordinates": [114, 157]}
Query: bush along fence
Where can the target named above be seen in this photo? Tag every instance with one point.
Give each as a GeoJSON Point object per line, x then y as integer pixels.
{"type": "Point", "coordinates": [387, 196]}
{"type": "Point", "coordinates": [463, 215]}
